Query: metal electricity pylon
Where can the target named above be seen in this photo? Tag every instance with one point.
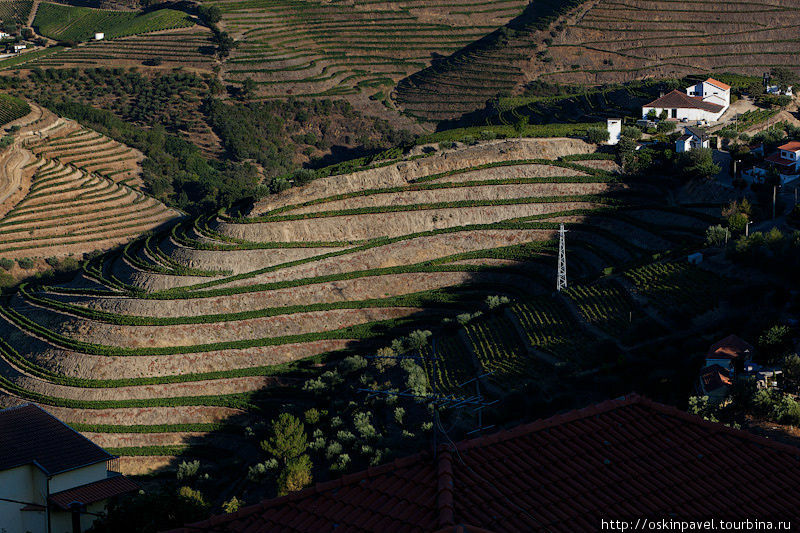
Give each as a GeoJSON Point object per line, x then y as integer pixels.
{"type": "Point", "coordinates": [561, 283]}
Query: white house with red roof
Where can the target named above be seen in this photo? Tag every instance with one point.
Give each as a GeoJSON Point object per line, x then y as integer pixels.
{"type": "Point", "coordinates": [704, 101]}
{"type": "Point", "coordinates": [52, 478]}
{"type": "Point", "coordinates": [787, 158]}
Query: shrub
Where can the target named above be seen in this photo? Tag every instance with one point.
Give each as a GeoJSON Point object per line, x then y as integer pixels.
{"type": "Point", "coordinates": [399, 414]}
{"type": "Point", "coordinates": [717, 235]}
{"type": "Point", "coordinates": [194, 497]}
{"type": "Point", "coordinates": [295, 476]}
{"type": "Point", "coordinates": [363, 426]}
{"type": "Point", "coordinates": [352, 364]}
{"type": "Point", "coordinates": [188, 470]}
{"type": "Point", "coordinates": [312, 417]}
{"type": "Point", "coordinates": [632, 132]}
{"type": "Point", "coordinates": [775, 342]}
{"type": "Point", "coordinates": [25, 263]}
{"type": "Point", "coordinates": [334, 448]}
{"type": "Point", "coordinates": [232, 505]}
{"type": "Point", "coordinates": [6, 263]}
{"type": "Point", "coordinates": [597, 135]}
{"type": "Point", "coordinates": [495, 301]}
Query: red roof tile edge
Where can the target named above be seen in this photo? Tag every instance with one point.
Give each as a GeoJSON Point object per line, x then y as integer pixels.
{"type": "Point", "coordinates": [94, 492]}
{"type": "Point", "coordinates": [500, 436]}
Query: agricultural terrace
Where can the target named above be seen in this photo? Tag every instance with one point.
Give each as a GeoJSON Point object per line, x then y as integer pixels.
{"type": "Point", "coordinates": [492, 66]}
{"type": "Point", "coordinates": [16, 11]}
{"type": "Point", "coordinates": [630, 39]}
{"type": "Point", "coordinates": [73, 145]}
{"type": "Point", "coordinates": [344, 47]}
{"type": "Point", "coordinates": [12, 108]}
{"type": "Point", "coordinates": [68, 206]}
{"type": "Point", "coordinates": [189, 48]}
{"type": "Point", "coordinates": [608, 41]}
{"type": "Point", "coordinates": [157, 344]}
{"type": "Point", "coordinates": [69, 23]}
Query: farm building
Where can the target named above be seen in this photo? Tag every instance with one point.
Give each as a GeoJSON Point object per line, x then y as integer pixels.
{"type": "Point", "coordinates": [614, 126]}
{"type": "Point", "coordinates": [787, 158]}
{"type": "Point", "coordinates": [714, 382]}
{"type": "Point", "coordinates": [51, 476]}
{"type": "Point", "coordinates": [731, 353]}
{"type": "Point", "coordinates": [691, 139]}
{"type": "Point", "coordinates": [4, 35]}
{"type": "Point", "coordinates": [626, 457]}
{"type": "Point", "coordinates": [19, 47]}
{"type": "Point", "coordinates": [707, 100]}
{"type": "Point", "coordinates": [99, 36]}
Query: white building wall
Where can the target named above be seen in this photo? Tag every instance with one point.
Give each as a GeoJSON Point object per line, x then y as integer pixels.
{"type": "Point", "coordinates": [614, 126]}
{"type": "Point", "coordinates": [688, 114]}
{"type": "Point", "coordinates": [28, 484]}
{"type": "Point", "coordinates": [77, 477]}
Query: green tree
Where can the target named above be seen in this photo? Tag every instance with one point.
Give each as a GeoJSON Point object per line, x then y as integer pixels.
{"type": "Point", "coordinates": [288, 440]}
{"type": "Point", "coordinates": [698, 163]}
{"type": "Point", "coordinates": [210, 14]}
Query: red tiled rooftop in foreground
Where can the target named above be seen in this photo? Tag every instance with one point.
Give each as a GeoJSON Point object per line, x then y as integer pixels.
{"type": "Point", "coordinates": [629, 457]}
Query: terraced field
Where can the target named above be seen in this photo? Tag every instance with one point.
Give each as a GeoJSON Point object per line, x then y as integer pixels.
{"type": "Point", "coordinates": [12, 108]}
{"type": "Point", "coordinates": [188, 48]}
{"type": "Point", "coordinates": [610, 41]}
{"type": "Point", "coordinates": [157, 344]}
{"type": "Point", "coordinates": [345, 47]}
{"type": "Point", "coordinates": [58, 196]}
{"type": "Point", "coordinates": [73, 145]}
{"type": "Point", "coordinates": [16, 11]}
{"type": "Point", "coordinates": [70, 23]}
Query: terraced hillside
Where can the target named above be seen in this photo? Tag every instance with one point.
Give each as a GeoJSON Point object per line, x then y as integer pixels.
{"type": "Point", "coordinates": [58, 195]}
{"type": "Point", "coordinates": [70, 23]}
{"type": "Point", "coordinates": [72, 144]}
{"type": "Point", "coordinates": [609, 41]}
{"type": "Point", "coordinates": [187, 48]}
{"type": "Point", "coordinates": [157, 345]}
{"type": "Point", "coordinates": [344, 47]}
{"type": "Point", "coordinates": [16, 11]}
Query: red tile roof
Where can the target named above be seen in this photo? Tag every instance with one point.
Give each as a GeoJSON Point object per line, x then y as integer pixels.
{"type": "Point", "coordinates": [93, 492]}
{"type": "Point", "coordinates": [792, 146]}
{"type": "Point", "coordinates": [681, 100]}
{"type": "Point", "coordinates": [29, 434]}
{"type": "Point", "coordinates": [778, 160]}
{"type": "Point", "coordinates": [625, 457]}
{"type": "Point", "coordinates": [713, 377]}
{"type": "Point", "coordinates": [731, 347]}
{"type": "Point", "coordinates": [715, 83]}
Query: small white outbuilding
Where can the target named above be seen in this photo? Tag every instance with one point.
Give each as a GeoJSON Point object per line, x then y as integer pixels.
{"type": "Point", "coordinates": [614, 126]}
{"type": "Point", "coordinates": [99, 36]}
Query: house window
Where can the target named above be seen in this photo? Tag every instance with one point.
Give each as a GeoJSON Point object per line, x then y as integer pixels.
{"type": "Point", "coordinates": [674, 113]}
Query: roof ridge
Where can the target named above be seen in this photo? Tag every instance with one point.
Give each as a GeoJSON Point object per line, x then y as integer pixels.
{"type": "Point", "coordinates": [444, 489]}
{"type": "Point", "coordinates": [544, 423]}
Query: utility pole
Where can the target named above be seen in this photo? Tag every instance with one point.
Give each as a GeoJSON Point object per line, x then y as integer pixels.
{"type": "Point", "coordinates": [747, 229]}
{"type": "Point", "coordinates": [561, 283]}
{"type": "Point", "coordinates": [774, 197]}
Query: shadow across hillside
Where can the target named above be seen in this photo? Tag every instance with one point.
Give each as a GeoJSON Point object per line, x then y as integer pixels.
{"type": "Point", "coordinates": [603, 337]}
